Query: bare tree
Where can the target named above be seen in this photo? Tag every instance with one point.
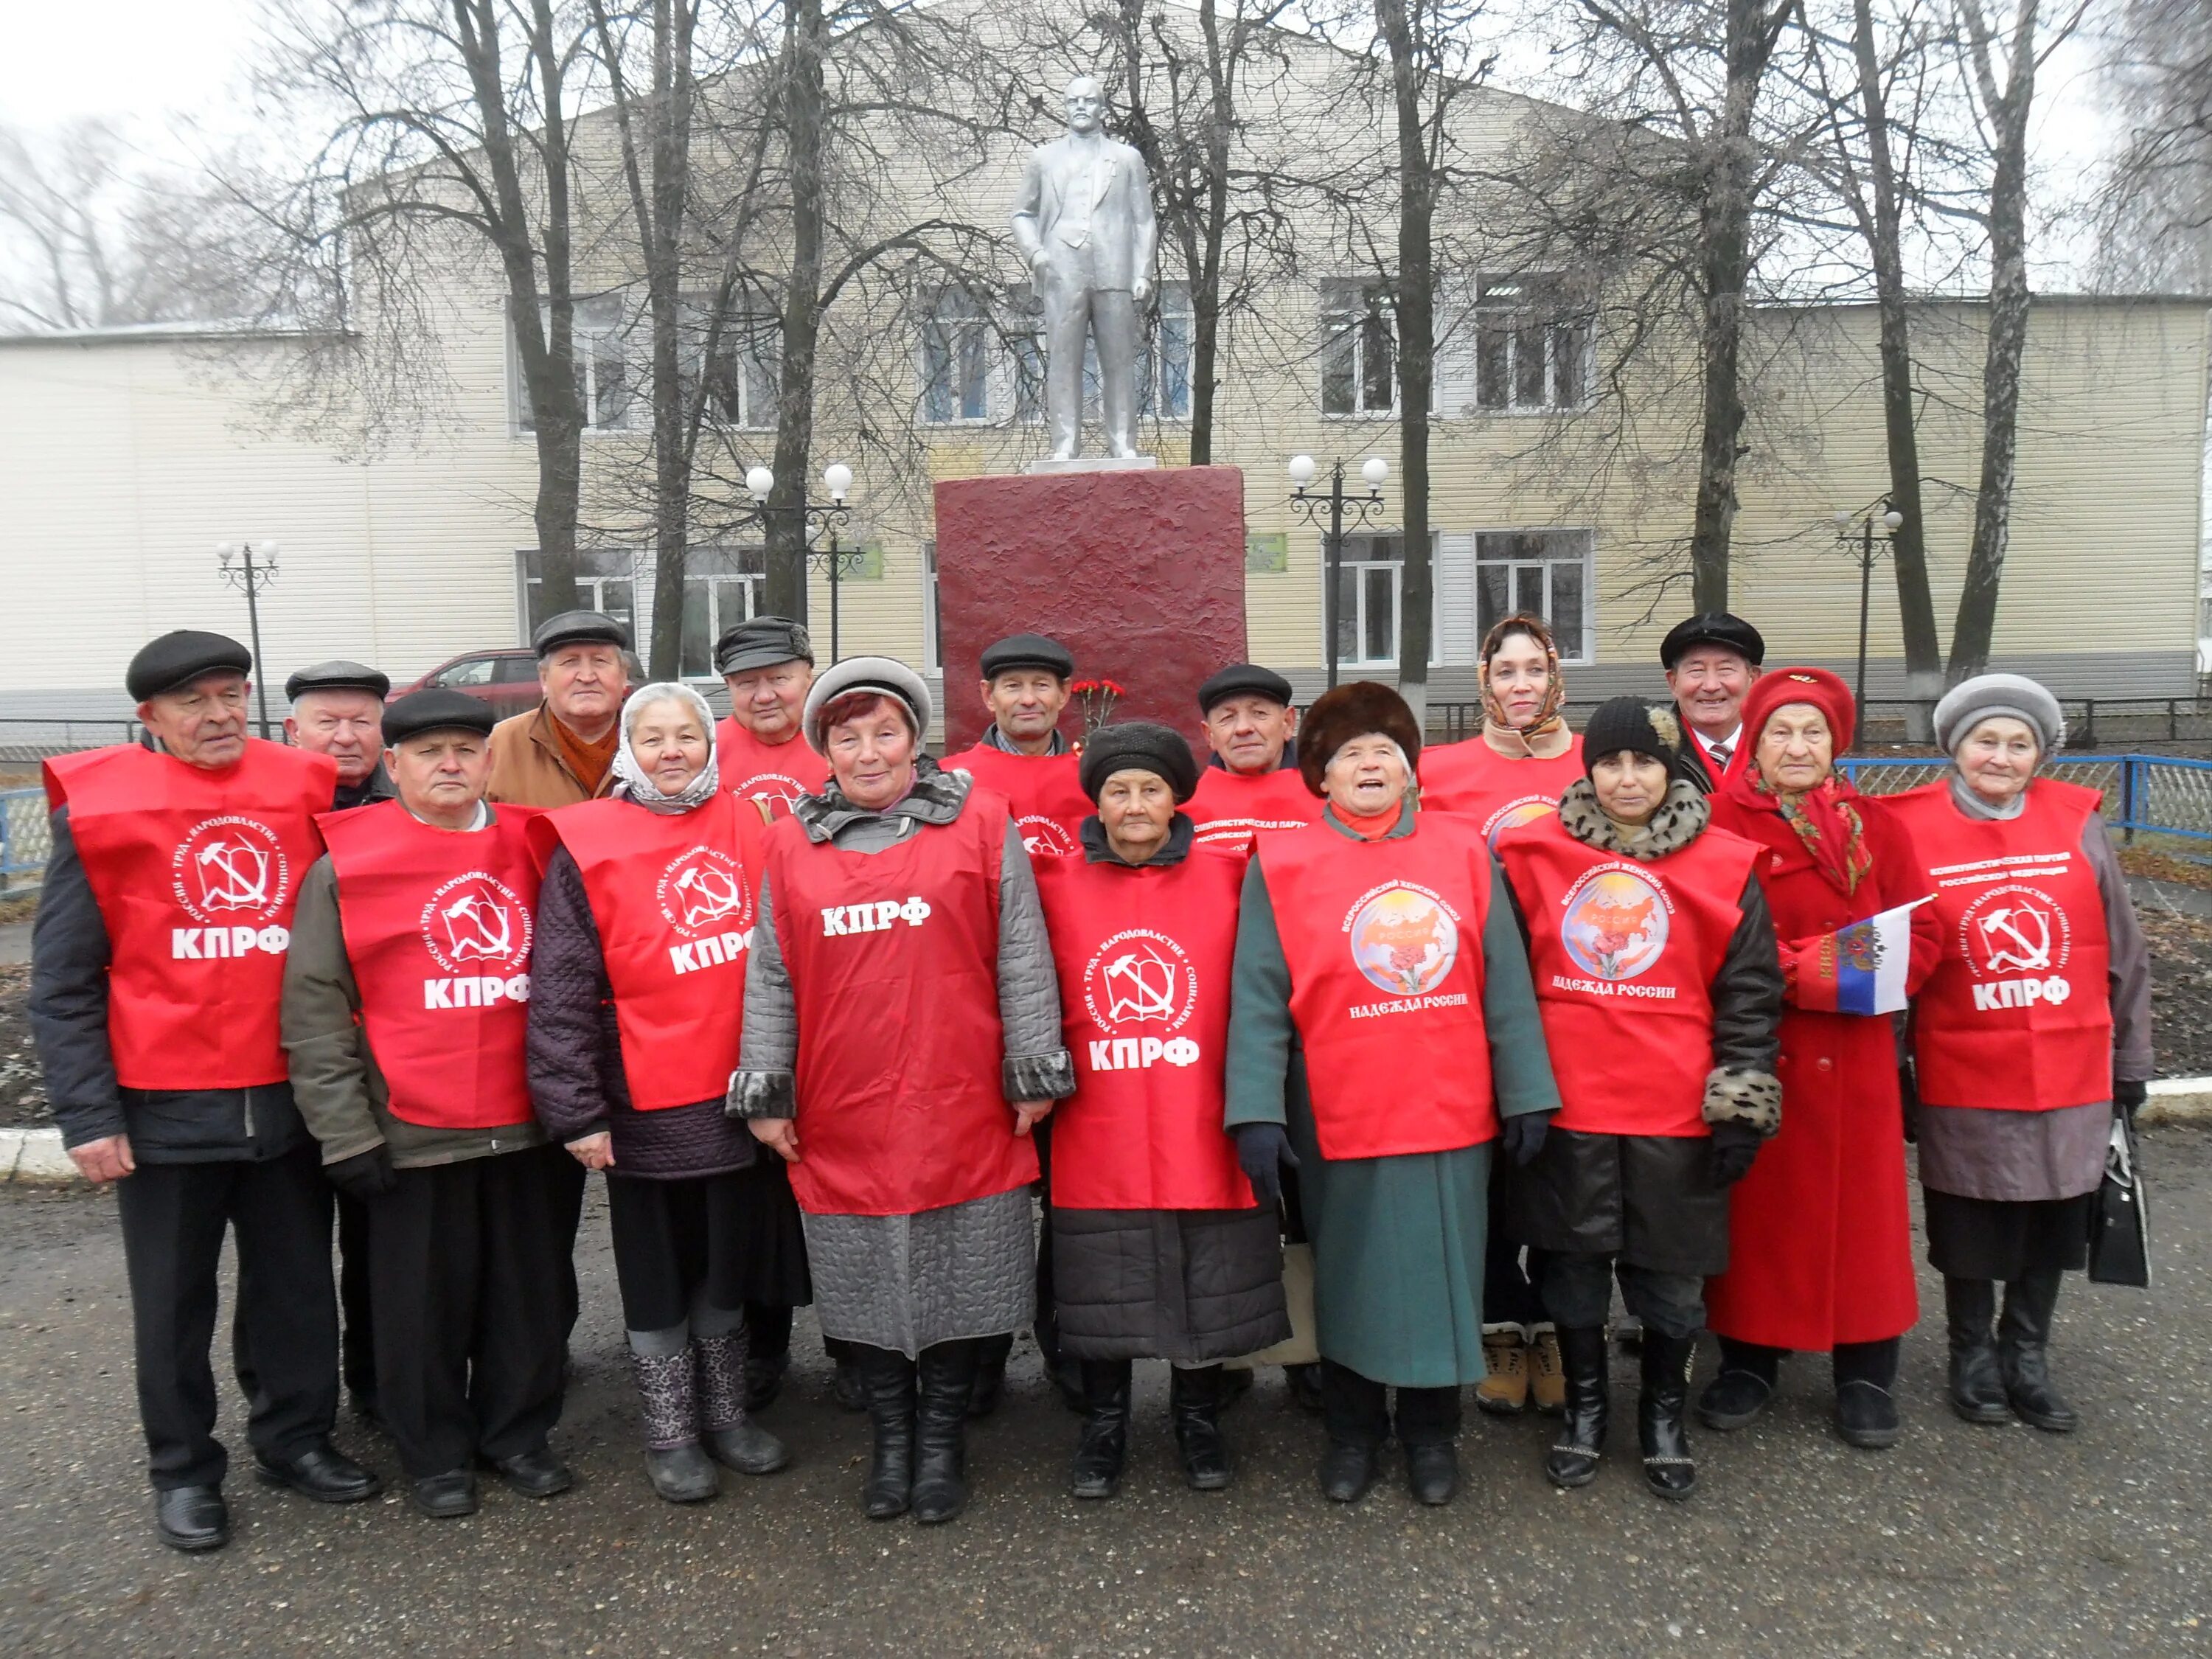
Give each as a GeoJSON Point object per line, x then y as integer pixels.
{"type": "Point", "coordinates": [2154, 215]}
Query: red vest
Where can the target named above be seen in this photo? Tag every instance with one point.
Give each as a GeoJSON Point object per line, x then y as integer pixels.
{"type": "Point", "coordinates": [2018, 1011]}
{"type": "Point", "coordinates": [1475, 781]}
{"type": "Point", "coordinates": [893, 958]}
{"type": "Point", "coordinates": [673, 897]}
{"type": "Point", "coordinates": [1623, 954]}
{"type": "Point", "coordinates": [1384, 943]}
{"type": "Point", "coordinates": [1043, 790]}
{"type": "Point", "coordinates": [1229, 808]}
{"type": "Point", "coordinates": [1144, 956]}
{"type": "Point", "coordinates": [196, 874]}
{"type": "Point", "coordinates": [777, 773]}
{"type": "Point", "coordinates": [437, 926]}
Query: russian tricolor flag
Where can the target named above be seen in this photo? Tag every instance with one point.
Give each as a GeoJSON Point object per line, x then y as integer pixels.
{"type": "Point", "coordinates": [1859, 970]}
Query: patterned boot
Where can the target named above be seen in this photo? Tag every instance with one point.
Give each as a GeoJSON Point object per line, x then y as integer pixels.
{"type": "Point", "coordinates": [678, 1469]}
{"type": "Point", "coordinates": [733, 1438]}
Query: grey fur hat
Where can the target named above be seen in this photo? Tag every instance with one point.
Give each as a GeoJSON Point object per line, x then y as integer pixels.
{"type": "Point", "coordinates": [1970, 702]}
{"type": "Point", "coordinates": [885, 675]}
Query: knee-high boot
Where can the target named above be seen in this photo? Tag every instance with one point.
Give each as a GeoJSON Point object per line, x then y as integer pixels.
{"type": "Point", "coordinates": [1572, 1461]}
{"type": "Point", "coordinates": [1104, 1446]}
{"type": "Point", "coordinates": [1194, 1401]}
{"type": "Point", "coordinates": [887, 1378]}
{"type": "Point", "coordinates": [2024, 1351]}
{"type": "Point", "coordinates": [725, 1425]}
{"type": "Point", "coordinates": [1978, 1390]}
{"type": "Point", "coordinates": [1661, 1432]}
{"type": "Point", "coordinates": [674, 1463]}
{"type": "Point", "coordinates": [940, 1460]}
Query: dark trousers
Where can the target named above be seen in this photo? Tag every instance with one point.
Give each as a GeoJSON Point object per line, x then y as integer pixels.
{"type": "Point", "coordinates": [676, 1246]}
{"type": "Point", "coordinates": [1578, 1289]}
{"type": "Point", "coordinates": [357, 1348]}
{"type": "Point", "coordinates": [1357, 1409]}
{"type": "Point", "coordinates": [564, 1179]}
{"type": "Point", "coordinates": [1509, 1290]}
{"type": "Point", "coordinates": [468, 1262]}
{"type": "Point", "coordinates": [174, 1218]}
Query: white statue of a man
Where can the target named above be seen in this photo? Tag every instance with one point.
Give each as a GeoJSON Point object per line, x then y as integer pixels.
{"type": "Point", "coordinates": [1084, 220]}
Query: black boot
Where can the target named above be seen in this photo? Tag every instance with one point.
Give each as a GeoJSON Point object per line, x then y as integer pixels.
{"type": "Point", "coordinates": [726, 1426]}
{"type": "Point", "coordinates": [1572, 1461]}
{"type": "Point", "coordinates": [1194, 1401]}
{"type": "Point", "coordinates": [1866, 1394]}
{"type": "Point", "coordinates": [940, 1455]}
{"type": "Point", "coordinates": [1063, 1370]}
{"type": "Point", "coordinates": [847, 1387]}
{"type": "Point", "coordinates": [888, 1377]}
{"type": "Point", "coordinates": [1746, 1383]}
{"type": "Point", "coordinates": [1978, 1391]}
{"type": "Point", "coordinates": [1104, 1446]}
{"type": "Point", "coordinates": [768, 1352]}
{"type": "Point", "coordinates": [1661, 1432]}
{"type": "Point", "coordinates": [2023, 1351]}
{"type": "Point", "coordinates": [675, 1462]}
{"type": "Point", "coordinates": [991, 1355]}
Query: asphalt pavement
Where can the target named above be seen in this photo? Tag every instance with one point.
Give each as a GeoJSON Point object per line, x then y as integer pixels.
{"type": "Point", "coordinates": [1961, 1541]}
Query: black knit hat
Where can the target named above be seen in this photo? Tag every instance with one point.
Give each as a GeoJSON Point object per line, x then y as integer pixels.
{"type": "Point", "coordinates": [176, 659]}
{"type": "Point", "coordinates": [1632, 724]}
{"type": "Point", "coordinates": [1138, 745]}
{"type": "Point", "coordinates": [437, 709]}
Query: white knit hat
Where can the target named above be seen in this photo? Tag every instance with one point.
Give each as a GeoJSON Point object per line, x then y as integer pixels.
{"type": "Point", "coordinates": [1970, 702]}
{"type": "Point", "coordinates": [885, 675]}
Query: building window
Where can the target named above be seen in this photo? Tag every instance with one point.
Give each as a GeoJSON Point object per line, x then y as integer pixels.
{"type": "Point", "coordinates": [1360, 349]}
{"type": "Point", "coordinates": [956, 360]}
{"type": "Point", "coordinates": [1368, 579]}
{"type": "Point", "coordinates": [1532, 345]}
{"type": "Point", "coordinates": [605, 583]}
{"type": "Point", "coordinates": [1163, 366]}
{"type": "Point", "coordinates": [932, 662]}
{"type": "Point", "coordinates": [721, 588]}
{"type": "Point", "coordinates": [742, 370]}
{"type": "Point", "coordinates": [1544, 572]}
{"type": "Point", "coordinates": [609, 372]}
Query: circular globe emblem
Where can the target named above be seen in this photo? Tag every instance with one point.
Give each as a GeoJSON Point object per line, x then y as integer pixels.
{"type": "Point", "coordinates": [1616, 925]}
{"type": "Point", "coordinates": [1514, 814]}
{"type": "Point", "coordinates": [1404, 941]}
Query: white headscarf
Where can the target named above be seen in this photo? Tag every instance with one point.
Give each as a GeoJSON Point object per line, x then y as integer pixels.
{"type": "Point", "coordinates": [632, 782]}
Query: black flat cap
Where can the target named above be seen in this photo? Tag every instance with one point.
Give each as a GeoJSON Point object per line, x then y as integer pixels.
{"type": "Point", "coordinates": [1712, 627]}
{"type": "Point", "coordinates": [579, 628]}
{"type": "Point", "coordinates": [438, 709]}
{"type": "Point", "coordinates": [178, 659]}
{"type": "Point", "coordinates": [1138, 745]}
{"type": "Point", "coordinates": [1241, 679]}
{"type": "Point", "coordinates": [762, 643]}
{"type": "Point", "coordinates": [338, 675]}
{"type": "Point", "coordinates": [1027, 651]}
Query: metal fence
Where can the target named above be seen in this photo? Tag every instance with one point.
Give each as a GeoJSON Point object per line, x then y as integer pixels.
{"type": "Point", "coordinates": [2155, 794]}
{"type": "Point", "coordinates": [26, 739]}
{"type": "Point", "coordinates": [25, 840]}
{"type": "Point", "coordinates": [2090, 722]}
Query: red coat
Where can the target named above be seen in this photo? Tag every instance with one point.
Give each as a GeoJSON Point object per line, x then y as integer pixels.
{"type": "Point", "coordinates": [1821, 1247]}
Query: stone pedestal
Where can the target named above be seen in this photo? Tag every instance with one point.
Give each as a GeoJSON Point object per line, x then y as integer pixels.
{"type": "Point", "coordinates": [1138, 571]}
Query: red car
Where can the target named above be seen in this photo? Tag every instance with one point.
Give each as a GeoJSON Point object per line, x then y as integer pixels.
{"type": "Point", "coordinates": [505, 676]}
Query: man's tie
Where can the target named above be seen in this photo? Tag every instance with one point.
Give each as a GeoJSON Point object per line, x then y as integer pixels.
{"type": "Point", "coordinates": [1720, 752]}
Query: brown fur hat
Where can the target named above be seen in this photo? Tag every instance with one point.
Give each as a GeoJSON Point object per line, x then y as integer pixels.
{"type": "Point", "coordinates": [1357, 710]}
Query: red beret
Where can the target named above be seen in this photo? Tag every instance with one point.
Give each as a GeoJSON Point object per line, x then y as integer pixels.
{"type": "Point", "coordinates": [1825, 691]}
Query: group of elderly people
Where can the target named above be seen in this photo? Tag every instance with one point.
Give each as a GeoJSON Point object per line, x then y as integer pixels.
{"type": "Point", "coordinates": [1489, 1030]}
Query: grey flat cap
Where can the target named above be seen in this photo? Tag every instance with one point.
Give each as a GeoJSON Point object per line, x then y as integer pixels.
{"type": "Point", "coordinates": [578, 628]}
{"type": "Point", "coordinates": [1970, 702]}
{"type": "Point", "coordinates": [885, 675]}
{"type": "Point", "coordinates": [762, 643]}
{"type": "Point", "coordinates": [338, 675]}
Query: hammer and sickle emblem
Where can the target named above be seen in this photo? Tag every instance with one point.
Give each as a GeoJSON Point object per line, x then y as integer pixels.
{"type": "Point", "coordinates": [477, 928]}
{"type": "Point", "coordinates": [708, 895]}
{"type": "Point", "coordinates": [234, 876]}
{"type": "Point", "coordinates": [2026, 934]}
{"type": "Point", "coordinates": [1140, 988]}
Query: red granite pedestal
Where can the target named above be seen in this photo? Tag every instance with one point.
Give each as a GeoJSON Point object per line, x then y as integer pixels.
{"type": "Point", "coordinates": [1140, 573]}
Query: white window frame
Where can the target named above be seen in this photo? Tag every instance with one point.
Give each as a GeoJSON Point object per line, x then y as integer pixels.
{"type": "Point", "coordinates": [977, 332]}
{"type": "Point", "coordinates": [1506, 303]}
{"type": "Point", "coordinates": [590, 586]}
{"type": "Point", "coordinates": [595, 317]}
{"type": "Point", "coordinates": [752, 583]}
{"type": "Point", "coordinates": [1346, 305]}
{"type": "Point", "coordinates": [742, 334]}
{"type": "Point", "coordinates": [1584, 652]}
{"type": "Point", "coordinates": [1361, 594]}
{"type": "Point", "coordinates": [932, 662]}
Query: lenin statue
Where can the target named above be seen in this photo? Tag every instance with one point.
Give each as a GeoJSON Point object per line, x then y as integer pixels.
{"type": "Point", "coordinates": [1084, 220]}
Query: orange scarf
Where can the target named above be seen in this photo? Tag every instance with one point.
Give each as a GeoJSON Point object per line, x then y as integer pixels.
{"type": "Point", "coordinates": [590, 762]}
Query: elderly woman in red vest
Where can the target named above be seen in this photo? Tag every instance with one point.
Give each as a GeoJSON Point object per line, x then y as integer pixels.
{"type": "Point", "coordinates": [1159, 1248]}
{"type": "Point", "coordinates": [637, 997]}
{"type": "Point", "coordinates": [1654, 967]}
{"type": "Point", "coordinates": [901, 1038]}
{"type": "Point", "coordinates": [1381, 1030]}
{"type": "Point", "coordinates": [1511, 771]}
{"type": "Point", "coordinates": [1820, 1246]}
{"type": "Point", "coordinates": [2033, 1029]}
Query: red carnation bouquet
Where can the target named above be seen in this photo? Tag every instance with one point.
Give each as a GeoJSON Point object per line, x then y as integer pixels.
{"type": "Point", "coordinates": [1095, 699]}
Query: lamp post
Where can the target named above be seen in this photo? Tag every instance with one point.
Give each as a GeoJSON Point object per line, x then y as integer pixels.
{"type": "Point", "coordinates": [1855, 533]}
{"type": "Point", "coordinates": [1364, 508]}
{"type": "Point", "coordinates": [816, 522]}
{"type": "Point", "coordinates": [236, 560]}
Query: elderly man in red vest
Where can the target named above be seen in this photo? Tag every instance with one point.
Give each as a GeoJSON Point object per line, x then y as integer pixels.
{"type": "Point", "coordinates": [156, 959]}
{"type": "Point", "coordinates": [1711, 661]}
{"type": "Point", "coordinates": [767, 663]}
{"type": "Point", "coordinates": [1253, 782]}
{"type": "Point", "coordinates": [405, 1006]}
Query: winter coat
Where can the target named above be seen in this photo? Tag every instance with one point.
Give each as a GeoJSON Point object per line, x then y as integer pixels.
{"type": "Point", "coordinates": [1398, 1242]}
{"type": "Point", "coordinates": [335, 1075]}
{"type": "Point", "coordinates": [527, 768]}
{"type": "Point", "coordinates": [1821, 1231]}
{"type": "Point", "coordinates": [70, 955]}
{"type": "Point", "coordinates": [1651, 1200]}
{"type": "Point", "coordinates": [577, 1085]}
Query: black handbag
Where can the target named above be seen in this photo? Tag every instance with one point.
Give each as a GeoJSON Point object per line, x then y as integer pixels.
{"type": "Point", "coordinates": [2119, 1222]}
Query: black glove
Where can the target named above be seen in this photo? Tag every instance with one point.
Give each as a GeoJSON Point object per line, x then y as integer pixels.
{"type": "Point", "coordinates": [1264, 1151]}
{"type": "Point", "coordinates": [1523, 1137]}
{"type": "Point", "coordinates": [2128, 1095]}
{"type": "Point", "coordinates": [365, 1175]}
{"type": "Point", "coordinates": [1734, 1145]}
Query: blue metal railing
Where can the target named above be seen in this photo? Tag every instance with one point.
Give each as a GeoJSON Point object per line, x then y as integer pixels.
{"type": "Point", "coordinates": [2155, 794]}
